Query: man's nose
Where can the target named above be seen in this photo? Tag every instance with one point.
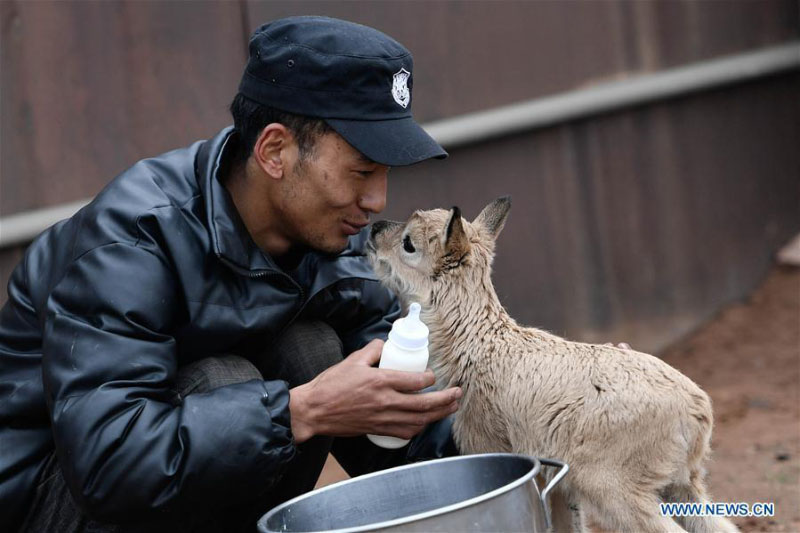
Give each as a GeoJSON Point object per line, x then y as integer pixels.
{"type": "Point", "coordinates": [373, 198]}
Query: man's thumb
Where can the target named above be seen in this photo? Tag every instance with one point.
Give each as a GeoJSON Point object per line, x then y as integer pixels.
{"type": "Point", "coordinates": [369, 354]}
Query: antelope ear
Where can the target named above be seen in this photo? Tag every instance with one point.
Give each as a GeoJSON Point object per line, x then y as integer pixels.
{"type": "Point", "coordinates": [493, 217]}
{"type": "Point", "coordinates": [454, 236]}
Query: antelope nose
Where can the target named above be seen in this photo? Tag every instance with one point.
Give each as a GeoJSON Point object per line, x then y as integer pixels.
{"type": "Point", "coordinates": [377, 227]}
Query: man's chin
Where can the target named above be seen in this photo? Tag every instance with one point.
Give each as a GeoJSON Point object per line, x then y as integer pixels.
{"type": "Point", "coordinates": [332, 248]}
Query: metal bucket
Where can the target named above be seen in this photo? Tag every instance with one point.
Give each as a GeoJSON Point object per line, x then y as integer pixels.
{"type": "Point", "coordinates": [470, 493]}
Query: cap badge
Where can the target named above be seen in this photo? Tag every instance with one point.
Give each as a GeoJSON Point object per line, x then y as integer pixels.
{"type": "Point", "coordinates": [400, 91]}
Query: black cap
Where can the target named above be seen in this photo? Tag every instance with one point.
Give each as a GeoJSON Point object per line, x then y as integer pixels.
{"type": "Point", "coordinates": [354, 77]}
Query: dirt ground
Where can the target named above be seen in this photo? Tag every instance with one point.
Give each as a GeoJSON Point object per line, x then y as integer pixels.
{"type": "Point", "coordinates": [748, 359]}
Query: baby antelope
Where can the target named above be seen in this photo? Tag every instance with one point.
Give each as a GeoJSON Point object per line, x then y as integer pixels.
{"type": "Point", "coordinates": [635, 431]}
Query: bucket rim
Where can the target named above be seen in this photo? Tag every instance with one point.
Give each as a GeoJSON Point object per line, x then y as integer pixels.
{"type": "Point", "coordinates": [536, 467]}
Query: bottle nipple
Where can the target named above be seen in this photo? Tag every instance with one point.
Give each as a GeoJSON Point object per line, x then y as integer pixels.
{"type": "Point", "coordinates": [410, 332]}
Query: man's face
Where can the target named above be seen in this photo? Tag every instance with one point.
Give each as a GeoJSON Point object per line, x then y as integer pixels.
{"type": "Point", "coordinates": [329, 196]}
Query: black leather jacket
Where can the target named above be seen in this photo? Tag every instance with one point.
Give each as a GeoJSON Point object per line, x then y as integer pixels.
{"type": "Point", "coordinates": [158, 271]}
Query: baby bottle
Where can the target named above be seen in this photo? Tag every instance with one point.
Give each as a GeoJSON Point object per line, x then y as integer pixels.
{"type": "Point", "coordinates": [406, 349]}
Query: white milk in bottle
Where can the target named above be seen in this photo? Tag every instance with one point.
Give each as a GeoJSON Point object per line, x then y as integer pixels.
{"type": "Point", "coordinates": [406, 349]}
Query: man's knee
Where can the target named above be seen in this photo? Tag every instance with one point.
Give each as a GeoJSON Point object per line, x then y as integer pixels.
{"type": "Point", "coordinates": [306, 349]}
{"type": "Point", "coordinates": [213, 372]}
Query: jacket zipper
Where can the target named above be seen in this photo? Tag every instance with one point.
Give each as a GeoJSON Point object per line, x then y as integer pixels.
{"type": "Point", "coordinates": [262, 274]}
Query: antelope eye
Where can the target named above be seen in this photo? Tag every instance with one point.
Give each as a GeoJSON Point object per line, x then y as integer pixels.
{"type": "Point", "coordinates": [408, 246]}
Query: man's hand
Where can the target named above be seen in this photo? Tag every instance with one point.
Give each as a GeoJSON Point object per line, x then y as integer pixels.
{"type": "Point", "coordinates": [354, 398]}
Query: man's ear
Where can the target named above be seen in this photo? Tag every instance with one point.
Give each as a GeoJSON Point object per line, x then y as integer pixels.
{"type": "Point", "coordinates": [455, 238]}
{"type": "Point", "coordinates": [493, 217]}
{"type": "Point", "coordinates": [271, 149]}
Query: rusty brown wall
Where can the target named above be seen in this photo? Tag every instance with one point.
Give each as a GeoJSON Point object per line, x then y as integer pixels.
{"type": "Point", "coordinates": [471, 56]}
{"type": "Point", "coordinates": [90, 87]}
{"type": "Point", "coordinates": [632, 225]}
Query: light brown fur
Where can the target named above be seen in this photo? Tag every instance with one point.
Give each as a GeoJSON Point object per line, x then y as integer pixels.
{"type": "Point", "coordinates": [634, 430]}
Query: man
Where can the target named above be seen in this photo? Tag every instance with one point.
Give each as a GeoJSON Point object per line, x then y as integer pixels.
{"type": "Point", "coordinates": [171, 356]}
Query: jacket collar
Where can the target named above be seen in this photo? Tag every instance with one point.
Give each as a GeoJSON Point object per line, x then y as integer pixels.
{"type": "Point", "coordinates": [229, 237]}
{"type": "Point", "coordinates": [231, 241]}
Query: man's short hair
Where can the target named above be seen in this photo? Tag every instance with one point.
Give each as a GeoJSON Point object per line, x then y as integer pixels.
{"type": "Point", "coordinates": [250, 118]}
